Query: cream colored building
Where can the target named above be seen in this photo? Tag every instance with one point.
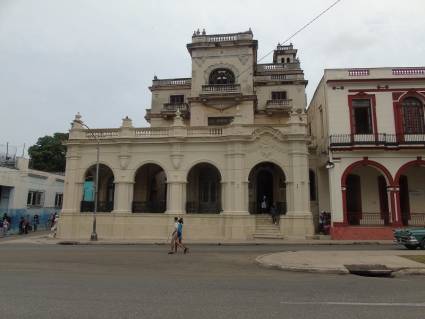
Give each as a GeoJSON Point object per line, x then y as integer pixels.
{"type": "Point", "coordinates": [219, 143]}
{"type": "Point", "coordinates": [368, 149]}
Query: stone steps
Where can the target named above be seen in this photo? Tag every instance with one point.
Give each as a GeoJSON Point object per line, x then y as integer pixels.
{"type": "Point", "coordinates": [265, 229]}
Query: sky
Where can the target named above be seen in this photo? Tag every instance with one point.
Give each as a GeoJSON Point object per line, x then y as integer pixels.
{"type": "Point", "coordinates": [98, 57]}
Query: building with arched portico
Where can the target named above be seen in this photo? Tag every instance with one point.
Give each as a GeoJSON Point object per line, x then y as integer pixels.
{"type": "Point", "coordinates": [219, 143]}
{"type": "Point", "coordinates": [368, 150]}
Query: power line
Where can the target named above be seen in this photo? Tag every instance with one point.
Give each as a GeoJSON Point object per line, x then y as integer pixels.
{"type": "Point", "coordinates": [298, 31]}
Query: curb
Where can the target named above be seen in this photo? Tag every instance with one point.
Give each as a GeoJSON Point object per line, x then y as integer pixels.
{"type": "Point", "coordinates": [336, 271]}
{"type": "Point", "coordinates": [396, 272]}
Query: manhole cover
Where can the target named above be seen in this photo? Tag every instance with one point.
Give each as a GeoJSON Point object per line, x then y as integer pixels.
{"type": "Point", "coordinates": [369, 270]}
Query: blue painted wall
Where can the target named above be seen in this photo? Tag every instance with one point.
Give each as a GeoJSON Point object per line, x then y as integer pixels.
{"type": "Point", "coordinates": [16, 214]}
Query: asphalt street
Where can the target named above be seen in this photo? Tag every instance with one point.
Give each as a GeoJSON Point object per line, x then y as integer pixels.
{"type": "Point", "coordinates": [143, 281]}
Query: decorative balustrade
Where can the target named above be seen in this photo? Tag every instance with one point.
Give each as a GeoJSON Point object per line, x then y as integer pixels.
{"type": "Point", "coordinates": [279, 104]}
{"type": "Point", "coordinates": [284, 47]}
{"type": "Point", "coordinates": [277, 67]}
{"type": "Point", "coordinates": [283, 77]}
{"type": "Point", "coordinates": [408, 71]}
{"type": "Point", "coordinates": [102, 133]}
{"type": "Point", "coordinates": [166, 132]}
{"type": "Point", "coordinates": [358, 72]}
{"type": "Point", "coordinates": [380, 139]}
{"type": "Point", "coordinates": [152, 132]}
{"type": "Point", "coordinates": [209, 131]}
{"type": "Point", "coordinates": [172, 82]}
{"type": "Point", "coordinates": [221, 88]}
{"type": "Point", "coordinates": [173, 107]}
{"type": "Point", "coordinates": [222, 37]}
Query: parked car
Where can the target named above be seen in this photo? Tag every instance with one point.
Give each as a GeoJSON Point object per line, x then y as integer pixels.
{"type": "Point", "coordinates": [411, 238]}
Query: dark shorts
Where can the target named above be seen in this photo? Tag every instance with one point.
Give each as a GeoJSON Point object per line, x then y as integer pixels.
{"type": "Point", "coordinates": [179, 236]}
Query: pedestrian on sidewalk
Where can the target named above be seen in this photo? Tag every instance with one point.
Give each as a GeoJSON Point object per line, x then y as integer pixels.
{"type": "Point", "coordinates": [180, 236]}
{"type": "Point", "coordinates": [5, 227]}
{"type": "Point", "coordinates": [173, 244]}
{"type": "Point", "coordinates": [36, 221]}
{"type": "Point", "coordinates": [54, 228]}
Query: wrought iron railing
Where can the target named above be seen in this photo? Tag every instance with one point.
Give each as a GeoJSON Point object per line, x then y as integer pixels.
{"type": "Point", "coordinates": [102, 206]}
{"type": "Point", "coordinates": [203, 208]}
{"type": "Point", "coordinates": [149, 207]}
{"type": "Point", "coordinates": [368, 218]}
{"type": "Point", "coordinates": [417, 219]}
{"type": "Point", "coordinates": [380, 139]}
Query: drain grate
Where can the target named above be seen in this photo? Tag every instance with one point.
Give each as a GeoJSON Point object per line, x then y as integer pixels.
{"type": "Point", "coordinates": [369, 270]}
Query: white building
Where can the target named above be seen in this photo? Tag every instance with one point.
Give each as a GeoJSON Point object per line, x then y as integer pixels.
{"type": "Point", "coordinates": [368, 149]}
{"type": "Point", "coordinates": [25, 192]}
{"type": "Point", "coordinates": [220, 142]}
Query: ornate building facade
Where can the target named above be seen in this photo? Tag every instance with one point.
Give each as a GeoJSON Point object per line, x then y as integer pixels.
{"type": "Point", "coordinates": [368, 132]}
{"type": "Point", "coordinates": [219, 144]}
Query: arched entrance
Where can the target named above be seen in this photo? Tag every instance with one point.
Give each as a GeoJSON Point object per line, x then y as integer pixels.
{"type": "Point", "coordinates": [266, 184]}
{"type": "Point", "coordinates": [411, 198]}
{"type": "Point", "coordinates": [150, 189]}
{"type": "Point", "coordinates": [203, 189]}
{"type": "Point", "coordinates": [365, 197]}
{"type": "Point", "coordinates": [105, 200]}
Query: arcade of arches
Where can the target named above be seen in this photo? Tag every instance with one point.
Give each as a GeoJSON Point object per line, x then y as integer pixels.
{"type": "Point", "coordinates": [203, 189]}
{"type": "Point", "coordinates": [368, 194]}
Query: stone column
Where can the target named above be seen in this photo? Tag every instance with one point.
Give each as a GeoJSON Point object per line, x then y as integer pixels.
{"type": "Point", "coordinates": [235, 185]}
{"type": "Point", "coordinates": [73, 187]}
{"type": "Point", "coordinates": [176, 197]}
{"type": "Point", "coordinates": [123, 197]}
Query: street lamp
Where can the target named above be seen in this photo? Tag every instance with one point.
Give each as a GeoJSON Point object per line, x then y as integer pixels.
{"type": "Point", "coordinates": [93, 236]}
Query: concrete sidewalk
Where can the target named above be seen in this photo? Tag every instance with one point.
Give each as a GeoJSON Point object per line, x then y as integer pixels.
{"type": "Point", "coordinates": [44, 238]}
{"type": "Point", "coordinates": [335, 262]}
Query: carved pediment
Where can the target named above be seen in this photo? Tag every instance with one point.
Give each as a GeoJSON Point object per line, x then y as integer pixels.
{"type": "Point", "coordinates": [259, 132]}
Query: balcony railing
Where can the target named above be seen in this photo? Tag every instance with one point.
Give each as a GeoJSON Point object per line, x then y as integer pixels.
{"type": "Point", "coordinates": [172, 82]}
{"type": "Point", "coordinates": [173, 107]}
{"type": "Point", "coordinates": [222, 37]}
{"type": "Point", "coordinates": [283, 105]}
{"type": "Point", "coordinates": [417, 219]}
{"type": "Point", "coordinates": [381, 139]}
{"type": "Point", "coordinates": [277, 67]}
{"type": "Point", "coordinates": [221, 88]}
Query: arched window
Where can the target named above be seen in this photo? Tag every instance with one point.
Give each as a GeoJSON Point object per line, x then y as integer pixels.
{"type": "Point", "coordinates": [222, 76]}
{"type": "Point", "coordinates": [413, 116]}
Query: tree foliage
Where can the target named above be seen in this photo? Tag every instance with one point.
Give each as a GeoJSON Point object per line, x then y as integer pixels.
{"type": "Point", "coordinates": [48, 154]}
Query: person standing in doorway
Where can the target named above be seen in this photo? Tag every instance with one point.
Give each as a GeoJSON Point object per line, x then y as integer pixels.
{"type": "Point", "coordinates": [263, 205]}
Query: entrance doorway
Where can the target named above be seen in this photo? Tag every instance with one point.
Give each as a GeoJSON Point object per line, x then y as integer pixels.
{"type": "Point", "coordinates": [266, 184]}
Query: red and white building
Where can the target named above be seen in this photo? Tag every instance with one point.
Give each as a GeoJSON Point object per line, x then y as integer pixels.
{"type": "Point", "coordinates": [367, 165]}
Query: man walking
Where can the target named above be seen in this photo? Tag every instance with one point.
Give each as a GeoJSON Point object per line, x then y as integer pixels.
{"type": "Point", "coordinates": [173, 247]}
